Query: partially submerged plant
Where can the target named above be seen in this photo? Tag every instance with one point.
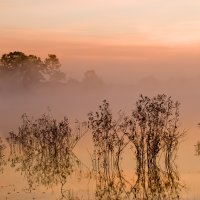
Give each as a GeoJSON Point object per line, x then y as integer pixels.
{"type": "Point", "coordinates": [43, 150]}
{"type": "Point", "coordinates": [108, 146]}
{"type": "Point", "coordinates": [153, 130]}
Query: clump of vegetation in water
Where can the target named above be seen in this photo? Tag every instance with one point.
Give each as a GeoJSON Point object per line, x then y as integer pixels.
{"type": "Point", "coordinates": [108, 147]}
{"type": "Point", "coordinates": [43, 150]}
{"type": "Point", "coordinates": [153, 130]}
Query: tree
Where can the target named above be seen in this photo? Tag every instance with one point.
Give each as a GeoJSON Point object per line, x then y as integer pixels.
{"type": "Point", "coordinates": [52, 63]}
{"type": "Point", "coordinates": [52, 68]}
{"type": "Point", "coordinates": [91, 79]}
{"type": "Point", "coordinates": [23, 69]}
{"type": "Point", "coordinates": [13, 61]}
{"type": "Point", "coordinates": [33, 70]}
{"type": "Point", "coordinates": [19, 68]}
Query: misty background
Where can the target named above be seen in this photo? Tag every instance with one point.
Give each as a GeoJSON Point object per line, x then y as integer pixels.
{"type": "Point", "coordinates": [75, 95]}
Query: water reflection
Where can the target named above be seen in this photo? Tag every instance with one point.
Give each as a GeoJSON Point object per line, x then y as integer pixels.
{"type": "Point", "coordinates": [42, 151]}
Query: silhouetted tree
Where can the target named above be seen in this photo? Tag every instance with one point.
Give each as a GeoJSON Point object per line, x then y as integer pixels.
{"type": "Point", "coordinates": [13, 61]}
{"type": "Point", "coordinates": [52, 67]}
{"type": "Point", "coordinates": [19, 68]}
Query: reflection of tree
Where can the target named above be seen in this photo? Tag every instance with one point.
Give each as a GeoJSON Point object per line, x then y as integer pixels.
{"type": "Point", "coordinates": [153, 129]}
{"type": "Point", "coordinates": [2, 161]}
{"type": "Point", "coordinates": [42, 150]}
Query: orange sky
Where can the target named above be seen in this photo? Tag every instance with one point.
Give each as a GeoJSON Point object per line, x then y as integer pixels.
{"type": "Point", "coordinates": [102, 34]}
{"type": "Point", "coordinates": [141, 37]}
{"type": "Point", "coordinates": [127, 22]}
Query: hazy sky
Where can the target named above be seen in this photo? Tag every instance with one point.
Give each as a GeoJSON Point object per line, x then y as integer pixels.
{"type": "Point", "coordinates": [99, 33]}
{"type": "Point", "coordinates": [130, 21]}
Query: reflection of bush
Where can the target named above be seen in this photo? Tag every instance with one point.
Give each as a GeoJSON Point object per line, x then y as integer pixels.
{"type": "Point", "coordinates": [43, 150]}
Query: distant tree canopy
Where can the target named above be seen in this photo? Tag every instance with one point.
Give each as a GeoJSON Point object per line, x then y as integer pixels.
{"type": "Point", "coordinates": [92, 79]}
{"type": "Point", "coordinates": [29, 69]}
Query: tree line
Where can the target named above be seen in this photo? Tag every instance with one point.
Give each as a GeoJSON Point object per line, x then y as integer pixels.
{"type": "Point", "coordinates": [43, 150]}
{"type": "Point", "coordinates": [29, 69]}
{"type": "Point", "coordinates": [20, 70]}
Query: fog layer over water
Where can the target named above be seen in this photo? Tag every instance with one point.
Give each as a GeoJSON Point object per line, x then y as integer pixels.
{"type": "Point", "coordinates": [76, 98]}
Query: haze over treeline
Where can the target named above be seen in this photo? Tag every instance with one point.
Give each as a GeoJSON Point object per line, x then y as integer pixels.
{"type": "Point", "coordinates": [31, 84]}
{"type": "Point", "coordinates": [35, 86]}
{"type": "Point", "coordinates": [20, 71]}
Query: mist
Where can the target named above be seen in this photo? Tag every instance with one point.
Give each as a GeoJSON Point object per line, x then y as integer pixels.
{"type": "Point", "coordinates": [76, 96]}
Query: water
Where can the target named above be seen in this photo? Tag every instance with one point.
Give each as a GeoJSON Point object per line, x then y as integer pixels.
{"type": "Point", "coordinates": [51, 167]}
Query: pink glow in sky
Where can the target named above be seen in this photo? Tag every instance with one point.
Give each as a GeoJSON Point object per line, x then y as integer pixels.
{"type": "Point", "coordinates": [149, 21]}
{"type": "Point", "coordinates": [101, 33]}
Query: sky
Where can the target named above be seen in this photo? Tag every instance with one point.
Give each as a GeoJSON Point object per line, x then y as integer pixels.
{"type": "Point", "coordinates": [146, 21]}
{"type": "Point", "coordinates": [126, 22]}
{"type": "Point", "coordinates": [106, 35]}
